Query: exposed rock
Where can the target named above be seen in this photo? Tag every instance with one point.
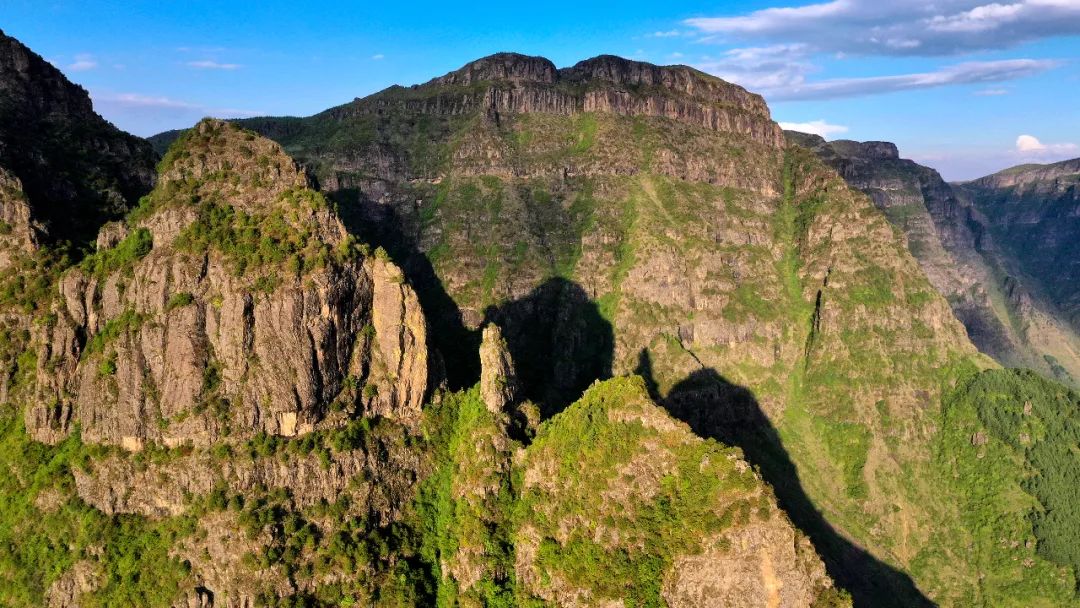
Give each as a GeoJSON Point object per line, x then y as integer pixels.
{"type": "Point", "coordinates": [523, 84]}
{"type": "Point", "coordinates": [179, 348]}
{"type": "Point", "coordinates": [19, 233]}
{"type": "Point", "coordinates": [67, 590]}
{"type": "Point", "coordinates": [498, 380]}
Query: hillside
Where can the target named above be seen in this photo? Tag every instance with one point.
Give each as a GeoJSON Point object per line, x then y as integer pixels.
{"type": "Point", "coordinates": [1031, 212]}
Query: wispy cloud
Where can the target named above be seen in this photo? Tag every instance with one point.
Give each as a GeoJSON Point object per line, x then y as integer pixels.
{"type": "Point", "coordinates": [900, 27]}
{"type": "Point", "coordinates": [208, 64]}
{"type": "Point", "coordinates": [991, 92]}
{"type": "Point", "coordinates": [780, 73]}
{"type": "Point", "coordinates": [817, 127]}
{"type": "Point", "coordinates": [82, 63]}
{"type": "Point", "coordinates": [665, 34]}
{"type": "Point", "coordinates": [135, 100]}
{"type": "Point", "coordinates": [148, 114]}
{"type": "Point", "coordinates": [378, 57]}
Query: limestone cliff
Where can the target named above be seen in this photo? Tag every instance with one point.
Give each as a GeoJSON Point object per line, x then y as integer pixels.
{"type": "Point", "coordinates": [232, 303]}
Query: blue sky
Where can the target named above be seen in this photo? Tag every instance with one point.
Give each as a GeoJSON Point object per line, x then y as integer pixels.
{"type": "Point", "coordinates": [965, 86]}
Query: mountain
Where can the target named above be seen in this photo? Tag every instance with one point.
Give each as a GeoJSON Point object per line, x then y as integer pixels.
{"type": "Point", "coordinates": [1032, 211]}
{"type": "Point", "coordinates": [969, 254]}
{"type": "Point", "coordinates": [526, 336]}
{"type": "Point", "coordinates": [640, 219]}
{"type": "Point", "coordinates": [74, 169]}
{"type": "Point", "coordinates": [232, 402]}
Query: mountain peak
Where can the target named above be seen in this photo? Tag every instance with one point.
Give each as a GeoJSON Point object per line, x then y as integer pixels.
{"type": "Point", "coordinates": [502, 66]}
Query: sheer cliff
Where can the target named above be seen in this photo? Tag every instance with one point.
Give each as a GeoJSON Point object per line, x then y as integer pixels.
{"type": "Point", "coordinates": [1031, 211]}
{"type": "Point", "coordinates": [1006, 309]}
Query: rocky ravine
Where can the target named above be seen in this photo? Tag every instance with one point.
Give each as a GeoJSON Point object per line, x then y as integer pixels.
{"type": "Point", "coordinates": [987, 282]}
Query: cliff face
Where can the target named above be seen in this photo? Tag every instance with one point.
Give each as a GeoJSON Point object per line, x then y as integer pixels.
{"type": "Point", "coordinates": [77, 170]}
{"type": "Point", "coordinates": [509, 83]}
{"type": "Point", "coordinates": [1032, 213]}
{"type": "Point", "coordinates": [1002, 306]}
{"type": "Point", "coordinates": [234, 304]}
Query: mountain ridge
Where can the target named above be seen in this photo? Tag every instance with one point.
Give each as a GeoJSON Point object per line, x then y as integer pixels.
{"type": "Point", "coordinates": [672, 359]}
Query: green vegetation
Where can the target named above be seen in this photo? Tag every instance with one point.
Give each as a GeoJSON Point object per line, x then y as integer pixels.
{"type": "Point", "coordinates": [123, 256]}
{"type": "Point", "coordinates": [1010, 449]}
{"type": "Point", "coordinates": [588, 450]}
{"type": "Point", "coordinates": [179, 300]}
{"type": "Point", "coordinates": [45, 529]}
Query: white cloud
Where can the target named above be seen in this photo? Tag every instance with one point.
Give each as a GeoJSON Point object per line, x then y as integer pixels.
{"type": "Point", "coordinates": [378, 57]}
{"type": "Point", "coordinates": [817, 127]}
{"type": "Point", "coordinates": [900, 27]}
{"type": "Point", "coordinates": [207, 64]}
{"type": "Point", "coordinates": [83, 62]}
{"type": "Point", "coordinates": [675, 55]}
{"type": "Point", "coordinates": [664, 34]}
{"type": "Point", "coordinates": [1030, 146]}
{"type": "Point", "coordinates": [779, 72]}
{"type": "Point", "coordinates": [991, 92]}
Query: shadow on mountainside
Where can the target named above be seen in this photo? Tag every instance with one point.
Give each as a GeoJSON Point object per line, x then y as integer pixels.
{"type": "Point", "coordinates": [730, 414]}
{"type": "Point", "coordinates": [558, 340]}
{"type": "Point", "coordinates": [382, 226]}
{"type": "Point", "coordinates": [560, 344]}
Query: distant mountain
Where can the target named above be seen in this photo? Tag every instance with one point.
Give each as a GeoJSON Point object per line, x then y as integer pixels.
{"type": "Point", "coordinates": [76, 170]}
{"type": "Point", "coordinates": [983, 259]}
{"type": "Point", "coordinates": [1033, 214]}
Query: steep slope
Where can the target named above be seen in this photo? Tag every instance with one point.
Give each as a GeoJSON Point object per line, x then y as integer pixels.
{"type": "Point", "coordinates": [1031, 211]}
{"type": "Point", "coordinates": [76, 170]}
{"type": "Point", "coordinates": [231, 302]}
{"type": "Point", "coordinates": [229, 398]}
{"type": "Point", "coordinates": [616, 216]}
{"type": "Point", "coordinates": [1001, 306]}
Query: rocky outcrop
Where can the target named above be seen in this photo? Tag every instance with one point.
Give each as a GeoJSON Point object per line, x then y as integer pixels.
{"type": "Point", "coordinates": [67, 590]}
{"type": "Point", "coordinates": [498, 380]}
{"type": "Point", "coordinates": [76, 169]}
{"type": "Point", "coordinates": [599, 502]}
{"type": "Point", "coordinates": [509, 83]}
{"type": "Point", "coordinates": [167, 340]}
{"type": "Point", "coordinates": [379, 481]}
{"type": "Point", "coordinates": [19, 233]}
